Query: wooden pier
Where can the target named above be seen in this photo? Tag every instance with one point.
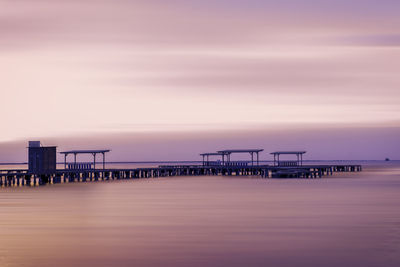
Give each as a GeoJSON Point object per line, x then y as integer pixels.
{"type": "Point", "coordinates": [24, 178]}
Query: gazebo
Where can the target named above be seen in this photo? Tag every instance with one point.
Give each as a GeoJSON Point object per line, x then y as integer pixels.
{"type": "Point", "coordinates": [206, 157]}
{"type": "Point", "coordinates": [288, 163]}
{"type": "Point", "coordinates": [76, 165]}
{"type": "Point", "coordinates": [228, 153]}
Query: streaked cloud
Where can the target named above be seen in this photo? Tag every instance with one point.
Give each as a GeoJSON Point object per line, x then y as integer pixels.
{"type": "Point", "coordinates": [72, 67]}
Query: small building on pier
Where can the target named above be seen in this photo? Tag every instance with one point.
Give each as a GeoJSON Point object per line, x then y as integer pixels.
{"type": "Point", "coordinates": [41, 159]}
{"type": "Point", "coordinates": [288, 163]}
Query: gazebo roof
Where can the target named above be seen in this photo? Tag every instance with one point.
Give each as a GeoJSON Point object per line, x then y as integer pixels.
{"type": "Point", "coordinates": [288, 152]}
{"type": "Point", "coordinates": [229, 151]}
{"type": "Point", "coordinates": [85, 151]}
{"type": "Point", "coordinates": [211, 154]}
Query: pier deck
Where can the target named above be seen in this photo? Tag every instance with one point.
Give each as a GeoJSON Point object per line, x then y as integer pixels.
{"type": "Point", "coordinates": [23, 177]}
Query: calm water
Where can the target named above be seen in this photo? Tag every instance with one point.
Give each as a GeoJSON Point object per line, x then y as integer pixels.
{"type": "Point", "coordinates": [349, 219]}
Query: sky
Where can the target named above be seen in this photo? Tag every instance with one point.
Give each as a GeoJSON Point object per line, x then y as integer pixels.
{"type": "Point", "coordinates": [166, 80]}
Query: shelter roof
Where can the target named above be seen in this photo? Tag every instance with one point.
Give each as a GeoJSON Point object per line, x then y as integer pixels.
{"type": "Point", "coordinates": [229, 151]}
{"type": "Point", "coordinates": [85, 151]}
{"type": "Point", "coordinates": [288, 152]}
{"type": "Point", "coordinates": [211, 154]}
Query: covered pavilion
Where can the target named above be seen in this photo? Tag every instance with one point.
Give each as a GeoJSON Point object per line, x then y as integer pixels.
{"type": "Point", "coordinates": [206, 157]}
{"type": "Point", "coordinates": [286, 163]}
{"type": "Point", "coordinates": [228, 153]}
{"type": "Point", "coordinates": [93, 152]}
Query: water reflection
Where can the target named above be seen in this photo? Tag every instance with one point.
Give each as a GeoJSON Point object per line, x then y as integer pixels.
{"type": "Point", "coordinates": [348, 220]}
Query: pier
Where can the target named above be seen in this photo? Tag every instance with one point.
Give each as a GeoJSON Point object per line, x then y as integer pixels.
{"type": "Point", "coordinates": [42, 167]}
{"type": "Point", "coordinates": [25, 178]}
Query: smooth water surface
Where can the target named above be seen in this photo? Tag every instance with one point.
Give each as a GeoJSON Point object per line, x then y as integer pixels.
{"type": "Point", "coordinates": [350, 219]}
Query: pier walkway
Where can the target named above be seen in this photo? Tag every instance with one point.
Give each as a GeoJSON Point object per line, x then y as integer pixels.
{"type": "Point", "coordinates": [23, 177]}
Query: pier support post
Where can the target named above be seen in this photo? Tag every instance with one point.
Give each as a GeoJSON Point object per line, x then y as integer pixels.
{"type": "Point", "coordinates": [94, 161]}
{"type": "Point", "coordinates": [104, 160]}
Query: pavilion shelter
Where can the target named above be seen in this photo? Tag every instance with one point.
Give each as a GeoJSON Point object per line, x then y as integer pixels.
{"type": "Point", "coordinates": [76, 165]}
{"type": "Point", "coordinates": [288, 163]}
{"type": "Point", "coordinates": [229, 152]}
{"type": "Point", "coordinates": [206, 158]}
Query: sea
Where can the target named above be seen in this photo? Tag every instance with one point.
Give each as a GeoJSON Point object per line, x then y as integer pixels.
{"type": "Point", "coordinates": [348, 219]}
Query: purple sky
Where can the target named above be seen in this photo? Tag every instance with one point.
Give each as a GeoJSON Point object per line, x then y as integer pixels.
{"type": "Point", "coordinates": [175, 78]}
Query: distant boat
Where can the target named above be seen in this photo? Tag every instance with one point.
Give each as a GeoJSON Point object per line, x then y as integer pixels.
{"type": "Point", "coordinates": [387, 159]}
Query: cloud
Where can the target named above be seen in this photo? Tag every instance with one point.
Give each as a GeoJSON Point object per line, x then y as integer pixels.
{"type": "Point", "coordinates": [94, 65]}
{"type": "Point", "coordinates": [176, 23]}
{"type": "Point", "coordinates": [378, 40]}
